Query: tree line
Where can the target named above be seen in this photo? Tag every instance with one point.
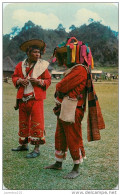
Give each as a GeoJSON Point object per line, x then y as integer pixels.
{"type": "Point", "coordinates": [101, 39]}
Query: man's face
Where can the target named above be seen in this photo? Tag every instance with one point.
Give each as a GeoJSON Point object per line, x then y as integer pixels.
{"type": "Point", "coordinates": [34, 55]}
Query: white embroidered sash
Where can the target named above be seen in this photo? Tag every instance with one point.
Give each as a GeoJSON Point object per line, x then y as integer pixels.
{"type": "Point", "coordinates": [39, 68]}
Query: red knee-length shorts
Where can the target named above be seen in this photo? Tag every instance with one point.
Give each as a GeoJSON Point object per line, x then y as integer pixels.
{"type": "Point", "coordinates": [31, 122]}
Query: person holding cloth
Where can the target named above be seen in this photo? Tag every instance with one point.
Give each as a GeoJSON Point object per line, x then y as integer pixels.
{"type": "Point", "coordinates": [32, 78]}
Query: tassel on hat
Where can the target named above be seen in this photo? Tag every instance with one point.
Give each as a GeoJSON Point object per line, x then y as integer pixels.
{"type": "Point", "coordinates": [77, 52]}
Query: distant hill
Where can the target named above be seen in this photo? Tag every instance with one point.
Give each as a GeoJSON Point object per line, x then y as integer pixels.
{"type": "Point", "coordinates": [101, 39]}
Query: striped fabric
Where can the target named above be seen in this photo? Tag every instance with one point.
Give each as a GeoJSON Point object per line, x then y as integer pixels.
{"type": "Point", "coordinates": [73, 57]}
{"type": "Point", "coordinates": [77, 54]}
{"type": "Point", "coordinates": [68, 55]}
{"type": "Point", "coordinates": [95, 120]}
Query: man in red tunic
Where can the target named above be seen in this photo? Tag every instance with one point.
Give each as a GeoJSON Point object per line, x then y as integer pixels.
{"type": "Point", "coordinates": [70, 96]}
{"type": "Point", "coordinates": [31, 78]}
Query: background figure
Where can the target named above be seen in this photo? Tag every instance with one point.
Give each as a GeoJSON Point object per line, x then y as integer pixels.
{"type": "Point", "coordinates": [70, 97]}
{"type": "Point", "coordinates": [31, 78]}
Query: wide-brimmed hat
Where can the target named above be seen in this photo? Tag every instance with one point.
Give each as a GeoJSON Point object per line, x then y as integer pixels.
{"type": "Point", "coordinates": [39, 43]}
{"type": "Point", "coordinates": [61, 50]}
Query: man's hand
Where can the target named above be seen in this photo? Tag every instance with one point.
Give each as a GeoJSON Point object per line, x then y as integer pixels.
{"type": "Point", "coordinates": [34, 81]}
{"type": "Point", "coordinates": [23, 82]}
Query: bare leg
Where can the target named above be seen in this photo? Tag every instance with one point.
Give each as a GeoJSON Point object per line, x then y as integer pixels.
{"type": "Point", "coordinates": [56, 166]}
{"type": "Point", "coordinates": [74, 173]}
{"type": "Point", "coordinates": [36, 149]}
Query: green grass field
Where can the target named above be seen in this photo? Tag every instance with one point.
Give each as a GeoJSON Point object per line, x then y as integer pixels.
{"type": "Point", "coordinates": [99, 171]}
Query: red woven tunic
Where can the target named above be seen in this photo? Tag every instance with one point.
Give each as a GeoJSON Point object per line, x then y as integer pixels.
{"type": "Point", "coordinates": [76, 84]}
{"type": "Point", "coordinates": [31, 113]}
{"type": "Point", "coordinates": [69, 135]}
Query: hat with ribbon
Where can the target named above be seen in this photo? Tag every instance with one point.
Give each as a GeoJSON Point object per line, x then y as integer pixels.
{"type": "Point", "coordinates": [34, 42]}
{"type": "Point", "coordinates": [75, 52]}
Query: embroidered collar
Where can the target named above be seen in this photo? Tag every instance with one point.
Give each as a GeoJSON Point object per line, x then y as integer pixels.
{"type": "Point", "coordinates": [70, 69]}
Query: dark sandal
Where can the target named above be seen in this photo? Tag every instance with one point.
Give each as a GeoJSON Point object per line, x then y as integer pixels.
{"type": "Point", "coordinates": [20, 148]}
{"type": "Point", "coordinates": [33, 154]}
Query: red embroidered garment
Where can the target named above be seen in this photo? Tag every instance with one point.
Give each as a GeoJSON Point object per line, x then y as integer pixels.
{"type": "Point", "coordinates": [39, 92]}
{"type": "Point", "coordinates": [69, 135]}
{"type": "Point", "coordinates": [73, 84]}
{"type": "Point", "coordinates": [31, 112]}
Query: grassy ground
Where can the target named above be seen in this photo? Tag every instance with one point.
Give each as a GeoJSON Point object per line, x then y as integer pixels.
{"type": "Point", "coordinates": [99, 170]}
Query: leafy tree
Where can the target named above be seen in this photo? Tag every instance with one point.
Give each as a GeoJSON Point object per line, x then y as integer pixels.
{"type": "Point", "coordinates": [15, 31]}
{"type": "Point", "coordinates": [90, 20]}
{"type": "Point", "coordinates": [72, 27]}
{"type": "Point", "coordinates": [60, 28]}
{"type": "Point", "coordinates": [28, 25]}
{"type": "Point", "coordinates": [6, 42]}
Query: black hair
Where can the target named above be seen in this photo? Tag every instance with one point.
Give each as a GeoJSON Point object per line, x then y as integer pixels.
{"type": "Point", "coordinates": [62, 58]}
{"type": "Point", "coordinates": [31, 48]}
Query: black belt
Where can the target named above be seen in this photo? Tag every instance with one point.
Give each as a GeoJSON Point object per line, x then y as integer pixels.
{"type": "Point", "coordinates": [27, 98]}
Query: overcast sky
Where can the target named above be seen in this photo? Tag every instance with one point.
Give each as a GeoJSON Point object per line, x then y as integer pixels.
{"type": "Point", "coordinates": [49, 15]}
